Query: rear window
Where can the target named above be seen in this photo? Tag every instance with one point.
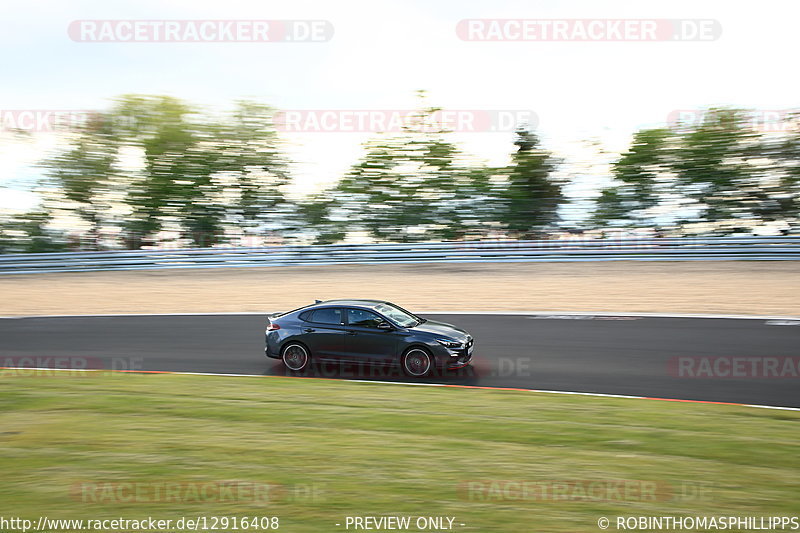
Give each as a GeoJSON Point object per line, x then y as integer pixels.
{"type": "Point", "coordinates": [330, 315]}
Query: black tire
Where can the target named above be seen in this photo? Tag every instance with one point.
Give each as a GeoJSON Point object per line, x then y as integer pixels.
{"type": "Point", "coordinates": [417, 362]}
{"type": "Point", "coordinates": [296, 357]}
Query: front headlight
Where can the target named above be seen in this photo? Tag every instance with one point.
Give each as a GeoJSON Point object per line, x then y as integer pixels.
{"type": "Point", "coordinates": [448, 343]}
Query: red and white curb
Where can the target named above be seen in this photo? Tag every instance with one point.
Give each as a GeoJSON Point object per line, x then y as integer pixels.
{"type": "Point", "coordinates": [571, 393]}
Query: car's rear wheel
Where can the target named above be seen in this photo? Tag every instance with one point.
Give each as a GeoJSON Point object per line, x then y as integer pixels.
{"type": "Point", "coordinates": [296, 357]}
{"type": "Point", "coordinates": [417, 362]}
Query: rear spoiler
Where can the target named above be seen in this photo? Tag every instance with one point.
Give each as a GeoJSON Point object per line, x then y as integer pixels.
{"type": "Point", "coordinates": [276, 315]}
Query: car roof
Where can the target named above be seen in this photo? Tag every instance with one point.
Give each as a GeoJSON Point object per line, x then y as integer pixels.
{"type": "Point", "coordinates": [370, 304]}
{"type": "Point", "coordinates": [353, 302]}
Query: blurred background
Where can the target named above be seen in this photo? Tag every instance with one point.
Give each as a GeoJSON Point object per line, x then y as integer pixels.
{"type": "Point", "coordinates": [390, 126]}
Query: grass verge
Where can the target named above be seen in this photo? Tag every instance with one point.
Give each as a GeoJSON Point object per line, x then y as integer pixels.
{"type": "Point", "coordinates": [81, 447]}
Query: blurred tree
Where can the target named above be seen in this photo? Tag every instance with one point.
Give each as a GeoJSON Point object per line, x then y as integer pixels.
{"type": "Point", "coordinates": [722, 169]}
{"type": "Point", "coordinates": [317, 217]}
{"type": "Point", "coordinates": [712, 165]}
{"type": "Point", "coordinates": [152, 164]}
{"type": "Point", "coordinates": [529, 199]}
{"type": "Point", "coordinates": [173, 168]}
{"type": "Point", "coordinates": [411, 187]}
{"type": "Point", "coordinates": [208, 173]}
{"type": "Point", "coordinates": [643, 174]}
{"type": "Point", "coordinates": [29, 233]}
{"type": "Point", "coordinates": [167, 180]}
{"type": "Point", "coordinates": [779, 195]}
{"type": "Point", "coordinates": [248, 154]}
{"type": "Point", "coordinates": [80, 178]}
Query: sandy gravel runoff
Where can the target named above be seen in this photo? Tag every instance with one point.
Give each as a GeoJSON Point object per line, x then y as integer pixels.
{"type": "Point", "coordinates": [736, 287]}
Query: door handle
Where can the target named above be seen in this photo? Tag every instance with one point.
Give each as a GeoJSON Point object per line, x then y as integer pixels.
{"type": "Point", "coordinates": [351, 332]}
{"type": "Point", "coordinates": [309, 330]}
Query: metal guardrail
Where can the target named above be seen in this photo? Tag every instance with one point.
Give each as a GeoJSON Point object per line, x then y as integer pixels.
{"type": "Point", "coordinates": [652, 249]}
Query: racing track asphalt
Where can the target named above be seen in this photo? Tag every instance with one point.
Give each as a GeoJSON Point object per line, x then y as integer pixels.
{"type": "Point", "coordinates": [638, 356]}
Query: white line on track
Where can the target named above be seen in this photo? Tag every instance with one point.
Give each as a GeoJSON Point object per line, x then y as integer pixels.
{"type": "Point", "coordinates": [572, 393]}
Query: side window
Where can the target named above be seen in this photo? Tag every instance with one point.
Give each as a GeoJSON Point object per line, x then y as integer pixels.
{"type": "Point", "coordinates": [305, 316]}
{"type": "Point", "coordinates": [330, 315]}
{"type": "Point", "coordinates": [363, 319]}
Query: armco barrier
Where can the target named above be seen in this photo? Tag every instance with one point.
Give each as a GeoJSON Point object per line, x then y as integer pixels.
{"type": "Point", "coordinates": [655, 249]}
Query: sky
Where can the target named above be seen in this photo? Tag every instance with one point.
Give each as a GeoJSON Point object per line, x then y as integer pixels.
{"type": "Point", "coordinates": [588, 97]}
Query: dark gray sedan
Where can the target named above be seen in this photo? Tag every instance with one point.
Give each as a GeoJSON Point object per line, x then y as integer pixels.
{"type": "Point", "coordinates": [366, 331]}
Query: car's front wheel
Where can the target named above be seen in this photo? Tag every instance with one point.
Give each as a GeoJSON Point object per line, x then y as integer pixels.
{"type": "Point", "coordinates": [417, 362]}
{"type": "Point", "coordinates": [296, 357]}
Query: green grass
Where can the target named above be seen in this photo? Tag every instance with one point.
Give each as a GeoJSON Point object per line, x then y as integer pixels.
{"type": "Point", "coordinates": [372, 449]}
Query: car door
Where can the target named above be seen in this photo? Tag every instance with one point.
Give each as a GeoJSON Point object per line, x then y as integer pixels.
{"type": "Point", "coordinates": [324, 333]}
{"type": "Point", "coordinates": [365, 341]}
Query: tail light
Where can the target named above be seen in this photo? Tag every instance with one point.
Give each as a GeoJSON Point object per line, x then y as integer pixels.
{"type": "Point", "coordinates": [273, 327]}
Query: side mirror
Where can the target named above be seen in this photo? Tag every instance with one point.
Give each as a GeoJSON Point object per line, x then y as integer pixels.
{"type": "Point", "coordinates": [385, 326]}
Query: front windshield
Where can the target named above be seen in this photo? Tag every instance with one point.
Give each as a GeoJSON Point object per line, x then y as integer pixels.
{"type": "Point", "coordinates": [398, 316]}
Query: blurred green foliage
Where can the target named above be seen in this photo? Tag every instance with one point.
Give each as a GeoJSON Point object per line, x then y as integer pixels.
{"type": "Point", "coordinates": [720, 169]}
{"type": "Point", "coordinates": [155, 163]}
{"type": "Point", "coordinates": [155, 169]}
{"type": "Point", "coordinates": [28, 233]}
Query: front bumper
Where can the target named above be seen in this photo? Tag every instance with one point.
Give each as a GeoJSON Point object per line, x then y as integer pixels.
{"type": "Point", "coordinates": [459, 362]}
{"type": "Point", "coordinates": [452, 359]}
